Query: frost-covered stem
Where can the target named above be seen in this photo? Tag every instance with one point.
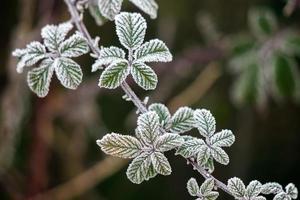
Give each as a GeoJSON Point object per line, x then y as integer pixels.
{"type": "Point", "coordinates": [207, 175]}
{"type": "Point", "coordinates": [127, 89]}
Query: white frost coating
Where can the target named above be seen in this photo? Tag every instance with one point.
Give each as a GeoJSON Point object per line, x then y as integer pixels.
{"type": "Point", "coordinates": [54, 35]}
{"type": "Point", "coordinates": [147, 148]}
{"type": "Point", "coordinates": [182, 120]}
{"type": "Point", "coordinates": [193, 187]}
{"type": "Point", "coordinates": [113, 76]}
{"type": "Point", "coordinates": [144, 76]}
{"type": "Point", "coordinates": [131, 29]}
{"type": "Point", "coordinates": [236, 187]}
{"type": "Point", "coordinates": [163, 113]}
{"type": "Point", "coordinates": [110, 8]}
{"type": "Point", "coordinates": [205, 192]}
{"type": "Point", "coordinates": [39, 78]}
{"type": "Point", "coordinates": [153, 51]}
{"type": "Point", "coordinates": [205, 122]}
{"type": "Point", "coordinates": [108, 56]}
{"type": "Point", "coordinates": [54, 56]}
{"type": "Point", "coordinates": [148, 6]}
{"type": "Point", "coordinates": [68, 72]}
{"type": "Point", "coordinates": [74, 46]}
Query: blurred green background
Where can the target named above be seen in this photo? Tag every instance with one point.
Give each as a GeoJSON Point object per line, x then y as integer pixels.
{"type": "Point", "coordinates": [47, 146]}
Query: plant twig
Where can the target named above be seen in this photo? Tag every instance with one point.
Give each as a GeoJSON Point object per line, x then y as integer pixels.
{"type": "Point", "coordinates": [129, 92]}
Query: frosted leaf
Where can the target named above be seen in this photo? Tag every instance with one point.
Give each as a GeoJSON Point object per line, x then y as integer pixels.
{"type": "Point", "coordinates": [39, 78]}
{"type": "Point", "coordinates": [19, 53]}
{"type": "Point", "coordinates": [33, 53]}
{"type": "Point", "coordinates": [282, 196]}
{"type": "Point", "coordinates": [148, 124]}
{"type": "Point", "coordinates": [205, 122]}
{"type": "Point", "coordinates": [211, 195]}
{"type": "Point", "coordinates": [74, 46]}
{"type": "Point", "coordinates": [193, 187]}
{"type": "Point", "coordinates": [203, 155]}
{"type": "Point", "coordinates": [207, 186]}
{"type": "Point", "coordinates": [153, 51]}
{"type": "Point", "coordinates": [144, 76]}
{"type": "Point", "coordinates": [219, 155]}
{"type": "Point", "coordinates": [253, 189]}
{"type": "Point", "coordinates": [190, 147]}
{"type": "Point", "coordinates": [168, 141]}
{"type": "Point", "coordinates": [182, 120]}
{"type": "Point", "coordinates": [123, 146]}
{"type": "Point", "coordinates": [161, 163]}
{"type": "Point", "coordinates": [113, 76]}
{"type": "Point", "coordinates": [110, 8]}
{"type": "Point", "coordinates": [131, 29]}
{"type": "Point", "coordinates": [54, 35]}
{"type": "Point", "coordinates": [292, 191]}
{"type": "Point", "coordinates": [107, 56]}
{"type": "Point", "coordinates": [151, 173]}
{"type": "Point", "coordinates": [209, 166]}
{"type": "Point", "coordinates": [68, 72]}
{"type": "Point", "coordinates": [138, 169]}
{"type": "Point", "coordinates": [236, 187]}
{"type": "Point", "coordinates": [225, 138]}
{"type": "Point", "coordinates": [95, 12]}
{"type": "Point", "coordinates": [271, 188]}
{"type": "Point", "coordinates": [148, 6]}
{"type": "Point", "coordinates": [163, 113]}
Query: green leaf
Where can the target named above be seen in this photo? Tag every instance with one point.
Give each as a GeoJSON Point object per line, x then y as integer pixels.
{"type": "Point", "coordinates": [225, 138]}
{"type": "Point", "coordinates": [54, 35]}
{"type": "Point", "coordinates": [236, 187]}
{"type": "Point", "coordinates": [153, 51]}
{"type": "Point", "coordinates": [284, 77]}
{"type": "Point", "coordinates": [247, 89]}
{"type": "Point", "coordinates": [131, 29]}
{"type": "Point", "coordinates": [33, 53]}
{"type": "Point", "coordinates": [68, 72]}
{"type": "Point", "coordinates": [138, 169]}
{"type": "Point", "coordinates": [253, 189]}
{"type": "Point", "coordinates": [262, 22]}
{"type": "Point", "coordinates": [114, 75]}
{"type": "Point", "coordinates": [95, 12]}
{"type": "Point", "coordinates": [219, 155]}
{"type": "Point", "coordinates": [207, 186]}
{"type": "Point", "coordinates": [144, 76]}
{"type": "Point", "coordinates": [110, 8]}
{"type": "Point", "coordinates": [190, 147]}
{"type": "Point", "coordinates": [182, 120]}
{"type": "Point", "coordinates": [39, 78]}
{"type": "Point", "coordinates": [161, 163]}
{"type": "Point", "coordinates": [168, 141]}
{"type": "Point", "coordinates": [205, 122]}
{"type": "Point", "coordinates": [151, 173]}
{"type": "Point", "coordinates": [148, 126]}
{"type": "Point", "coordinates": [149, 6]}
{"type": "Point", "coordinates": [203, 155]}
{"type": "Point", "coordinates": [293, 43]}
{"type": "Point", "coordinates": [108, 56]}
{"type": "Point", "coordinates": [211, 195]}
{"type": "Point", "coordinates": [75, 46]}
{"type": "Point", "coordinates": [163, 113]}
{"type": "Point", "coordinates": [209, 166]}
{"type": "Point", "coordinates": [193, 187]}
{"type": "Point", "coordinates": [123, 146]}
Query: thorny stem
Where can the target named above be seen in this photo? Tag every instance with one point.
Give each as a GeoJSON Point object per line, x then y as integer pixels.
{"type": "Point", "coordinates": [129, 92]}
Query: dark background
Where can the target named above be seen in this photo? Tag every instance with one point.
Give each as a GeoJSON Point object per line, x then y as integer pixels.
{"type": "Point", "coordinates": [47, 146]}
